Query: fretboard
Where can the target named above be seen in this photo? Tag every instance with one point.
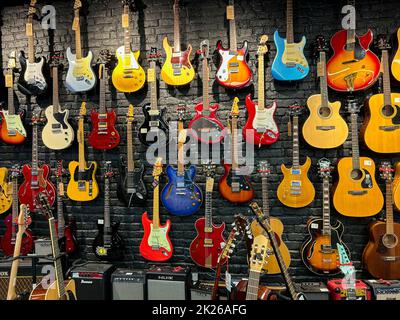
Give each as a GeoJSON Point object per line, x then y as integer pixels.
{"type": "Point", "coordinates": [153, 86]}
{"type": "Point", "coordinates": [102, 98]}
{"type": "Point", "coordinates": [386, 79]}
{"type": "Point", "coordinates": [296, 148]}
{"type": "Point", "coordinates": [289, 21]}
{"type": "Point", "coordinates": [351, 33]}
{"type": "Point", "coordinates": [156, 204]}
{"type": "Point", "coordinates": [78, 41]}
{"type": "Point", "coordinates": [60, 213]}
{"type": "Point", "coordinates": [389, 208]}
{"type": "Point", "coordinates": [14, 212]}
{"type": "Point", "coordinates": [181, 144]}
{"type": "Point", "coordinates": [177, 38]}
{"type": "Point", "coordinates": [354, 142]}
{"type": "Point", "coordinates": [127, 34]}
{"type": "Point", "coordinates": [326, 213]}
{"type": "Point", "coordinates": [11, 107]}
{"type": "Point", "coordinates": [81, 137]}
{"type": "Point", "coordinates": [232, 34]}
{"type": "Point", "coordinates": [265, 197]}
{"type": "Point", "coordinates": [206, 79]}
{"type": "Point", "coordinates": [261, 83]}
{"type": "Point", "coordinates": [35, 156]}
{"type": "Point", "coordinates": [252, 285]}
{"type": "Point", "coordinates": [208, 210]}
{"type": "Point", "coordinates": [130, 162]}
{"type": "Point", "coordinates": [234, 147]}
{"type": "Point", "coordinates": [56, 256]}
{"type": "Point", "coordinates": [56, 102]}
{"type": "Point", "coordinates": [107, 223]}
{"type": "Point", "coordinates": [31, 47]}
{"type": "Point", "coordinates": [323, 80]}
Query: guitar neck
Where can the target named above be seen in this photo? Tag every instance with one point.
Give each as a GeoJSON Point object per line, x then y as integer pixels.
{"type": "Point", "coordinates": [252, 285]}
{"type": "Point", "coordinates": [323, 79]}
{"type": "Point", "coordinates": [10, 96]}
{"type": "Point", "coordinates": [11, 293]}
{"type": "Point", "coordinates": [208, 212]}
{"type": "Point", "coordinates": [177, 38]}
{"type": "Point", "coordinates": [354, 142]}
{"type": "Point", "coordinates": [289, 21]}
{"type": "Point", "coordinates": [386, 80]}
{"type": "Point", "coordinates": [206, 79]}
{"type": "Point", "coordinates": [232, 32]}
{"type": "Point", "coordinates": [127, 33]}
{"type": "Point", "coordinates": [14, 212]}
{"type": "Point", "coordinates": [351, 33]}
{"type": "Point", "coordinates": [56, 256]}
{"type": "Point", "coordinates": [56, 101]}
{"type": "Point", "coordinates": [102, 100]}
{"type": "Point", "coordinates": [326, 212]}
{"type": "Point", "coordinates": [153, 86]}
{"type": "Point", "coordinates": [78, 41]}
{"type": "Point", "coordinates": [35, 149]}
{"type": "Point", "coordinates": [81, 135]}
{"type": "Point", "coordinates": [60, 212]}
{"type": "Point", "coordinates": [181, 144]}
{"type": "Point", "coordinates": [107, 222]}
{"type": "Point", "coordinates": [31, 42]}
{"type": "Point", "coordinates": [156, 204]}
{"type": "Point", "coordinates": [130, 162]}
{"type": "Point", "coordinates": [214, 294]}
{"type": "Point", "coordinates": [261, 83]}
{"type": "Point", "coordinates": [389, 208]}
{"type": "Point", "coordinates": [265, 197]}
{"type": "Point", "coordinates": [234, 148]}
{"type": "Point", "coordinates": [296, 148]}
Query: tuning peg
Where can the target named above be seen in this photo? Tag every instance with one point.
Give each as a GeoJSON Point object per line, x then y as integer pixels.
{"type": "Point", "coordinates": [233, 245]}
{"type": "Point", "coordinates": [223, 245]}
{"type": "Point", "coordinates": [230, 250]}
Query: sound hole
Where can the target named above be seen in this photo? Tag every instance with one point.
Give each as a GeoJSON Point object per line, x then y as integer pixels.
{"type": "Point", "coordinates": [356, 174]}
{"type": "Point", "coordinates": [324, 112]}
{"type": "Point", "coordinates": [388, 111]}
{"type": "Point", "coordinates": [389, 240]}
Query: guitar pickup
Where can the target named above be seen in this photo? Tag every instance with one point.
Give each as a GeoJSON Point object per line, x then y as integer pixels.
{"type": "Point", "coordinates": [127, 76]}
{"type": "Point", "coordinates": [357, 192]}
{"type": "Point", "coordinates": [154, 124]}
{"type": "Point", "coordinates": [295, 183]}
{"type": "Point", "coordinates": [234, 64]}
{"type": "Point", "coordinates": [235, 186]}
{"type": "Point", "coordinates": [389, 128]}
{"type": "Point", "coordinates": [296, 171]}
{"type": "Point", "coordinates": [154, 112]}
{"type": "Point", "coordinates": [12, 132]}
{"type": "Point", "coordinates": [325, 128]}
{"type": "Point", "coordinates": [177, 72]}
{"type": "Point", "coordinates": [56, 126]}
{"type": "Point", "coordinates": [295, 193]}
{"type": "Point", "coordinates": [103, 116]}
{"type": "Point", "coordinates": [81, 186]}
{"type": "Point", "coordinates": [233, 70]}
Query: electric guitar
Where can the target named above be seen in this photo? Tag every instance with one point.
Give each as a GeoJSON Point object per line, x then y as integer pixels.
{"type": "Point", "coordinates": [36, 179]}
{"type": "Point", "coordinates": [261, 128]}
{"type": "Point", "coordinates": [356, 193]}
{"type": "Point", "coordinates": [181, 196]}
{"type": "Point", "coordinates": [296, 189]}
{"type": "Point", "coordinates": [353, 67]}
{"type": "Point", "coordinates": [57, 134]}
{"type": "Point", "coordinates": [395, 67]}
{"type": "Point", "coordinates": [319, 252]}
{"type": "Point", "coordinates": [132, 189]}
{"type": "Point", "coordinates": [347, 268]}
{"type": "Point", "coordinates": [324, 127]}
{"type": "Point", "coordinates": [381, 256]}
{"type": "Point", "coordinates": [12, 130]}
{"type": "Point", "coordinates": [128, 75]}
{"type": "Point", "coordinates": [82, 185]}
{"type": "Point", "coordinates": [156, 244]}
{"type": "Point", "coordinates": [80, 75]}
{"type": "Point", "coordinates": [8, 240]}
{"type": "Point", "coordinates": [381, 129]}
{"type": "Point", "coordinates": [6, 198]}
{"type": "Point", "coordinates": [177, 69]}
{"type": "Point", "coordinates": [208, 244]}
{"type": "Point", "coordinates": [31, 81]}
{"type": "Point", "coordinates": [233, 71]}
{"type": "Point", "coordinates": [108, 244]}
{"type": "Point", "coordinates": [205, 126]}
{"type": "Point", "coordinates": [233, 185]}
{"type": "Point", "coordinates": [289, 63]}
{"type": "Point", "coordinates": [154, 128]}
{"type": "Point", "coordinates": [59, 289]}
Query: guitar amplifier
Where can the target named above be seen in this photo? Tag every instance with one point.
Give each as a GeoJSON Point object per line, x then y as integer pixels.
{"type": "Point", "coordinates": [384, 289]}
{"type": "Point", "coordinates": [43, 248]}
{"type": "Point", "coordinates": [168, 283]}
{"type": "Point", "coordinates": [338, 292]}
{"type": "Point", "coordinates": [128, 284]}
{"type": "Point", "coordinates": [203, 291]}
{"type": "Point", "coordinates": [313, 290]}
{"type": "Point", "coordinates": [93, 281]}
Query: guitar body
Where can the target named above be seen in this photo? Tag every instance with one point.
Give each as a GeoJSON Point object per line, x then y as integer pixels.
{"type": "Point", "coordinates": [360, 63]}
{"type": "Point", "coordinates": [57, 134]}
{"type": "Point", "coordinates": [360, 197]}
{"type": "Point", "coordinates": [80, 75]}
{"type": "Point", "coordinates": [128, 75]}
{"type": "Point", "coordinates": [154, 128]}
{"type": "Point", "coordinates": [381, 261]}
{"type": "Point", "coordinates": [27, 195]}
{"type": "Point", "coordinates": [261, 127]}
{"type": "Point", "coordinates": [114, 251]}
{"type": "Point", "coordinates": [31, 81]}
{"type": "Point", "coordinates": [177, 69]}
{"type": "Point", "coordinates": [264, 293]}
{"type": "Point", "coordinates": [82, 186]}
{"type": "Point", "coordinates": [324, 128]}
{"type": "Point", "coordinates": [68, 243]}
{"type": "Point", "coordinates": [396, 187]}
{"type": "Point", "coordinates": [156, 244]}
{"type": "Point", "coordinates": [319, 252]}
{"type": "Point", "coordinates": [382, 132]}
{"type": "Point", "coordinates": [233, 71]}
{"type": "Point", "coordinates": [272, 266]}
{"type": "Point", "coordinates": [245, 190]}
{"type": "Point", "coordinates": [206, 247]}
{"type": "Point", "coordinates": [5, 197]}
{"type": "Point", "coordinates": [181, 196]}
{"type": "Point", "coordinates": [12, 130]}
{"type": "Point", "coordinates": [51, 293]}
{"type": "Point", "coordinates": [395, 67]}
{"type": "Point", "coordinates": [296, 189]}
{"type": "Point", "coordinates": [207, 124]}
{"type": "Point", "coordinates": [8, 246]}
{"type": "Point", "coordinates": [290, 63]}
{"type": "Point", "coordinates": [132, 190]}
{"type": "Point", "coordinates": [104, 136]}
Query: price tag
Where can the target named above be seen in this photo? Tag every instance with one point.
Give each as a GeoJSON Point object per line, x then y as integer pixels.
{"type": "Point", "coordinates": [397, 100]}
{"type": "Point", "coordinates": [228, 281]}
{"type": "Point", "coordinates": [100, 221]}
{"type": "Point", "coordinates": [61, 188]}
{"type": "Point", "coordinates": [125, 20]}
{"type": "Point", "coordinates": [151, 77]}
{"type": "Point", "coordinates": [230, 12]}
{"type": "Point", "coordinates": [29, 30]}
{"type": "Point", "coordinates": [367, 163]}
{"type": "Point", "coordinates": [9, 81]}
{"type": "Point", "coordinates": [75, 24]}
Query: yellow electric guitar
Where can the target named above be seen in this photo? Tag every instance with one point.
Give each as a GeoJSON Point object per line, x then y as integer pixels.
{"type": "Point", "coordinates": [128, 75]}
{"type": "Point", "coordinates": [5, 194]}
{"type": "Point", "coordinates": [82, 185]}
{"type": "Point", "coordinates": [177, 69]}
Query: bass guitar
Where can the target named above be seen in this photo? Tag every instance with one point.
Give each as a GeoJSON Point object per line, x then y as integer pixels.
{"type": "Point", "coordinates": [261, 128]}
{"type": "Point", "coordinates": [82, 185]}
{"type": "Point", "coordinates": [80, 75]}
{"type": "Point", "coordinates": [356, 193]}
{"type": "Point", "coordinates": [319, 252]}
{"type": "Point", "coordinates": [381, 129]}
{"type": "Point", "coordinates": [57, 134]}
{"type": "Point", "coordinates": [177, 69]}
{"type": "Point", "coordinates": [353, 66]}
{"type": "Point", "coordinates": [156, 244]}
{"type": "Point", "coordinates": [6, 198]}
{"type": "Point", "coordinates": [296, 189]}
{"type": "Point", "coordinates": [108, 244]}
{"type": "Point", "coordinates": [36, 179]}
{"type": "Point", "coordinates": [233, 185]}
{"type": "Point", "coordinates": [233, 71]}
{"type": "Point", "coordinates": [181, 196]}
{"type": "Point", "coordinates": [208, 244]}
{"type": "Point", "coordinates": [381, 256]}
{"type": "Point", "coordinates": [289, 63]}
{"type": "Point", "coordinates": [324, 128]}
{"type": "Point", "coordinates": [31, 81]}
{"type": "Point", "coordinates": [205, 126]}
{"type": "Point", "coordinates": [12, 130]}
{"type": "Point", "coordinates": [132, 189]}
{"type": "Point", "coordinates": [8, 240]}
{"type": "Point", "coordinates": [128, 75]}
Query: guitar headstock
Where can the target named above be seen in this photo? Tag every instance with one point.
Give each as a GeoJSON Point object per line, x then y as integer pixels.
{"type": "Point", "coordinates": [295, 110]}
{"type": "Point", "coordinates": [235, 107]}
{"type": "Point", "coordinates": [353, 106]}
{"type": "Point", "coordinates": [259, 253]}
{"type": "Point", "coordinates": [154, 55]}
{"type": "Point", "coordinates": [181, 109]}
{"type": "Point", "coordinates": [15, 171]}
{"type": "Point", "coordinates": [77, 5]}
{"type": "Point", "coordinates": [130, 115]}
{"type": "Point", "coordinates": [263, 168]}
{"type": "Point", "coordinates": [56, 58]}
{"type": "Point", "coordinates": [382, 43]}
{"type": "Point", "coordinates": [44, 206]}
{"type": "Point", "coordinates": [37, 116]}
{"type": "Point", "coordinates": [108, 171]}
{"type": "Point", "coordinates": [204, 50]}
{"type": "Point", "coordinates": [24, 219]}
{"type": "Point", "coordinates": [157, 169]}
{"type": "Point", "coordinates": [230, 10]}
{"type": "Point", "coordinates": [59, 170]}
{"type": "Point", "coordinates": [386, 171]}
{"type": "Point", "coordinates": [262, 46]}
{"type": "Point", "coordinates": [324, 168]}
{"type": "Point", "coordinates": [321, 44]}
{"type": "Point", "coordinates": [209, 169]}
{"type": "Point", "coordinates": [12, 60]}
{"type": "Point", "coordinates": [82, 111]}
{"type": "Point", "coordinates": [32, 9]}
{"type": "Point", "coordinates": [238, 229]}
{"type": "Point", "coordinates": [344, 263]}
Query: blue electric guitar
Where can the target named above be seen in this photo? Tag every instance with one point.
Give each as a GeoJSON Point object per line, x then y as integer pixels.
{"type": "Point", "coordinates": [289, 63]}
{"type": "Point", "coordinates": [181, 196]}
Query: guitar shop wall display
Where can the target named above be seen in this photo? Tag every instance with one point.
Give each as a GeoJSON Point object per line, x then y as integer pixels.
{"type": "Point", "coordinates": [102, 117]}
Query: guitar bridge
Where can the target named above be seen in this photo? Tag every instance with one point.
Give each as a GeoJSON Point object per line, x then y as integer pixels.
{"type": "Point", "coordinates": [12, 132]}
{"type": "Point", "coordinates": [357, 192]}
{"type": "Point", "coordinates": [81, 186]}
{"type": "Point", "coordinates": [325, 128]}
{"type": "Point", "coordinates": [389, 128]}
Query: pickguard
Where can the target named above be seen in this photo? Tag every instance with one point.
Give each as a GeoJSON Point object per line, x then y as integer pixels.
{"type": "Point", "coordinates": [264, 120]}
{"type": "Point", "coordinates": [396, 118]}
{"type": "Point", "coordinates": [223, 71]}
{"type": "Point", "coordinates": [59, 117]}
{"type": "Point", "coordinates": [366, 183]}
{"type": "Point", "coordinates": [158, 239]}
{"type": "Point", "coordinates": [14, 123]}
{"type": "Point", "coordinates": [128, 60]}
{"type": "Point", "coordinates": [240, 180]}
{"type": "Point", "coordinates": [33, 75]}
{"type": "Point", "coordinates": [86, 175]}
{"type": "Point", "coordinates": [293, 55]}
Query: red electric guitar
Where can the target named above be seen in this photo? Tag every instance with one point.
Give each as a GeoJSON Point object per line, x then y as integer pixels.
{"type": "Point", "coordinates": [9, 238]}
{"type": "Point", "coordinates": [156, 244]}
{"type": "Point", "coordinates": [207, 246]}
{"type": "Point", "coordinates": [36, 178]}
{"type": "Point", "coordinates": [205, 126]}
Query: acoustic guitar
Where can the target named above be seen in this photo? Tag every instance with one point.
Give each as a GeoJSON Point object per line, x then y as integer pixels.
{"type": "Point", "coordinates": [324, 128]}
{"type": "Point", "coordinates": [356, 193]}
{"type": "Point", "coordinates": [381, 256]}
{"type": "Point", "coordinates": [6, 198]}
{"type": "Point", "coordinates": [395, 67]}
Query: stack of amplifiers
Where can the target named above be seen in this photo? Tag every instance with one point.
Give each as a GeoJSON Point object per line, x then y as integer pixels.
{"type": "Point", "coordinates": [385, 289]}
{"type": "Point", "coordinates": [128, 284]}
